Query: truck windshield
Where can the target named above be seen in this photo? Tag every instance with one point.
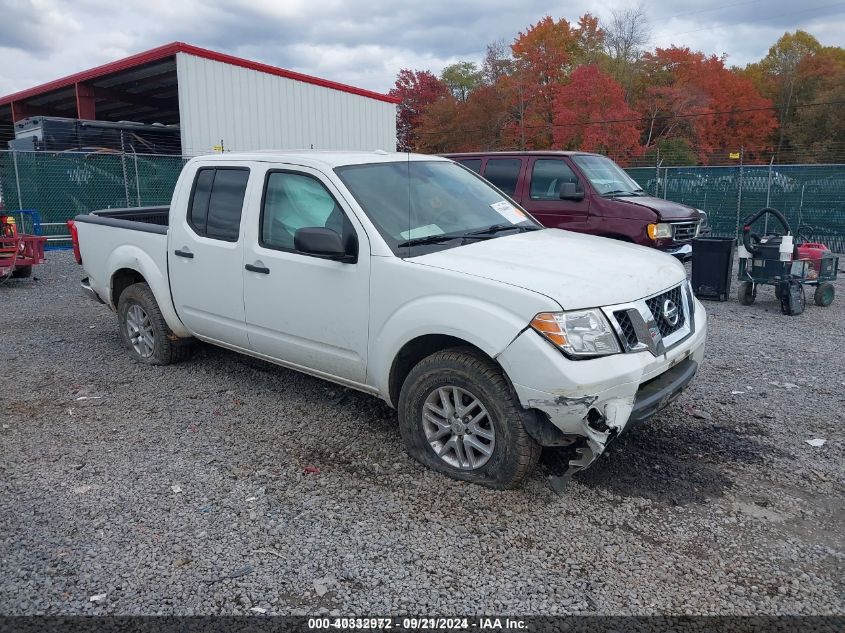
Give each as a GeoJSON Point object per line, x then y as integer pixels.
{"type": "Point", "coordinates": [420, 206]}
{"type": "Point", "coordinates": [607, 177]}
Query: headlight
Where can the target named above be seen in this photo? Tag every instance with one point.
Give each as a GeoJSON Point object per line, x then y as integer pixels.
{"type": "Point", "coordinates": [659, 231]}
{"type": "Point", "coordinates": [579, 333]}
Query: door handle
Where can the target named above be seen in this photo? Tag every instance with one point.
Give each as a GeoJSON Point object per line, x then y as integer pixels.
{"type": "Point", "coordinates": [187, 254]}
{"type": "Point", "coordinates": [257, 269]}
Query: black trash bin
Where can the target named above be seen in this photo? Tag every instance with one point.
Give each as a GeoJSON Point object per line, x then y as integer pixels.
{"type": "Point", "coordinates": [712, 267]}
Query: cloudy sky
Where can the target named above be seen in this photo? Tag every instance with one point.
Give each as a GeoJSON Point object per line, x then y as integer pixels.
{"type": "Point", "coordinates": [364, 42]}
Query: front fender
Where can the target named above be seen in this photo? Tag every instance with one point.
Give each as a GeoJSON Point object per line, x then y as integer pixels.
{"type": "Point", "coordinates": [135, 258]}
{"type": "Point", "coordinates": [487, 326]}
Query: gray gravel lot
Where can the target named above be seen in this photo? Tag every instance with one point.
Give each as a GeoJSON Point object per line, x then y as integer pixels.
{"type": "Point", "coordinates": [181, 489]}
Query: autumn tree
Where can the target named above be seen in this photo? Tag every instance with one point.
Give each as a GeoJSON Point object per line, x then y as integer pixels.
{"type": "Point", "coordinates": [416, 90]}
{"type": "Point", "coordinates": [695, 97]}
{"type": "Point", "coordinates": [591, 115]}
{"type": "Point", "coordinates": [779, 75]}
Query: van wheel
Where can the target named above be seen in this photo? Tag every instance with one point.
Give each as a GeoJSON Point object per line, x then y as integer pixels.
{"type": "Point", "coordinates": [145, 332]}
{"type": "Point", "coordinates": [459, 416]}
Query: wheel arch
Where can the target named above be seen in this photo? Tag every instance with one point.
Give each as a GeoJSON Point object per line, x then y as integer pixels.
{"type": "Point", "coordinates": [412, 352]}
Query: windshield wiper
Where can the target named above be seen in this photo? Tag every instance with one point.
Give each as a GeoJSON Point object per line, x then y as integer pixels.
{"type": "Point", "coordinates": [428, 239]}
{"type": "Point", "coordinates": [616, 192]}
{"type": "Point", "coordinates": [490, 231]}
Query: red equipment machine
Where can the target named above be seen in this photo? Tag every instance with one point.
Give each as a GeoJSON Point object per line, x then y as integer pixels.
{"type": "Point", "coordinates": [18, 252]}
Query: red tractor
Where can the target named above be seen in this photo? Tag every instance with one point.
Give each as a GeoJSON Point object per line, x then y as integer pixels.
{"type": "Point", "coordinates": [18, 252]}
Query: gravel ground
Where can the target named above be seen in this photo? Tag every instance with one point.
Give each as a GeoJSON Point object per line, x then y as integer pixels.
{"type": "Point", "coordinates": [181, 489]}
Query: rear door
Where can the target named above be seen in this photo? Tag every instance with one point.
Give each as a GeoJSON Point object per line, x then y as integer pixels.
{"type": "Point", "coordinates": [302, 309]}
{"type": "Point", "coordinates": [205, 260]}
{"type": "Point", "coordinates": [542, 199]}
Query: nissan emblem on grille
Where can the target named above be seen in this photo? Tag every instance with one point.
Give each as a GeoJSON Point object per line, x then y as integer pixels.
{"type": "Point", "coordinates": [670, 312]}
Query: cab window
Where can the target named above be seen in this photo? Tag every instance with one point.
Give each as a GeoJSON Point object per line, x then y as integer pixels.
{"type": "Point", "coordinates": [217, 202]}
{"type": "Point", "coordinates": [294, 201]}
{"type": "Point", "coordinates": [547, 177]}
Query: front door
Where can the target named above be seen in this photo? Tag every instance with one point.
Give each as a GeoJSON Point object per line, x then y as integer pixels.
{"type": "Point", "coordinates": [205, 260]}
{"type": "Point", "coordinates": [302, 309]}
{"type": "Point", "coordinates": [543, 201]}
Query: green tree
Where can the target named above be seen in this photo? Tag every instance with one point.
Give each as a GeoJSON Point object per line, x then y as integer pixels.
{"type": "Point", "coordinates": [462, 78]}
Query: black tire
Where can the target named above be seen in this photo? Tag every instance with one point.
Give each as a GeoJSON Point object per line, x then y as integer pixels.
{"type": "Point", "coordinates": [746, 293]}
{"type": "Point", "coordinates": [778, 293]}
{"type": "Point", "coordinates": [166, 347]}
{"type": "Point", "coordinates": [823, 296]}
{"type": "Point", "coordinates": [22, 272]}
{"type": "Point", "coordinates": [514, 454]}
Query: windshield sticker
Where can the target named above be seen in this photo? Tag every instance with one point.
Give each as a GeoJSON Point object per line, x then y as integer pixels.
{"type": "Point", "coordinates": [509, 212]}
{"type": "Point", "coordinates": [422, 231]}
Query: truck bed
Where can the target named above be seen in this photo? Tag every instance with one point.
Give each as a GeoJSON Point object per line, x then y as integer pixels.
{"type": "Point", "coordinates": [147, 219]}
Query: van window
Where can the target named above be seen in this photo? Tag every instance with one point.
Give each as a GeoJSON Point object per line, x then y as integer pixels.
{"type": "Point", "coordinates": [472, 163]}
{"type": "Point", "coordinates": [504, 173]}
{"type": "Point", "coordinates": [547, 177]}
{"type": "Point", "coordinates": [217, 202]}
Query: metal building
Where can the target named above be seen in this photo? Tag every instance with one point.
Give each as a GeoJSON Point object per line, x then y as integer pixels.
{"type": "Point", "coordinates": [216, 100]}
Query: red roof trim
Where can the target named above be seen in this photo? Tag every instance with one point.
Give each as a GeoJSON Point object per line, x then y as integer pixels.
{"type": "Point", "coordinates": [169, 50]}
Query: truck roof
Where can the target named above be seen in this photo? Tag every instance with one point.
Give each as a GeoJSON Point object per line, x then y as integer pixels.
{"type": "Point", "coordinates": [317, 158]}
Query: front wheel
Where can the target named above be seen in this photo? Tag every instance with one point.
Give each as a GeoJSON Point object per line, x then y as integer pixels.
{"type": "Point", "coordinates": [459, 416]}
{"type": "Point", "coordinates": [145, 332]}
{"type": "Point", "coordinates": [22, 272]}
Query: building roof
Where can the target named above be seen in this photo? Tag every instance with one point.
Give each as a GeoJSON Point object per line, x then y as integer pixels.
{"type": "Point", "coordinates": [168, 51]}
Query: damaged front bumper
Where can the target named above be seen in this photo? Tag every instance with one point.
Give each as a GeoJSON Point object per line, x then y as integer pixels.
{"type": "Point", "coordinates": [597, 399]}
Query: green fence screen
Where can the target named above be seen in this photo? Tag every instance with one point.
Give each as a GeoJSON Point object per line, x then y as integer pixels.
{"type": "Point", "coordinates": [62, 185]}
{"type": "Point", "coordinates": [811, 196]}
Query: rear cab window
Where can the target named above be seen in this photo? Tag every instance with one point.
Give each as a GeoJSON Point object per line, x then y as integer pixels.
{"type": "Point", "coordinates": [217, 202]}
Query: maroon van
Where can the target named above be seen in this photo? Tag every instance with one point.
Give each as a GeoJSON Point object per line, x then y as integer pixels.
{"type": "Point", "coordinates": [588, 193]}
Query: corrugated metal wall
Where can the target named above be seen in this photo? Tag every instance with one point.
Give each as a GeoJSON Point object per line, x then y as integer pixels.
{"type": "Point", "coordinates": [250, 110]}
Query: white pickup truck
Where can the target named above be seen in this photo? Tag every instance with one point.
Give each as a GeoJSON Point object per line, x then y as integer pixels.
{"type": "Point", "coordinates": [410, 278]}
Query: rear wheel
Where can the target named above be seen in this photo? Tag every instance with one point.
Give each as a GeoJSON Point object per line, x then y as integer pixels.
{"type": "Point", "coordinates": [22, 272]}
{"type": "Point", "coordinates": [145, 332]}
{"type": "Point", "coordinates": [746, 293]}
{"type": "Point", "coordinates": [459, 416]}
{"type": "Point", "coordinates": [823, 296]}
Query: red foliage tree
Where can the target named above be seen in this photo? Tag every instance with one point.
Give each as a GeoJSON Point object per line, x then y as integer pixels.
{"type": "Point", "coordinates": [417, 90]}
{"type": "Point", "coordinates": [696, 98]}
{"type": "Point", "coordinates": [592, 95]}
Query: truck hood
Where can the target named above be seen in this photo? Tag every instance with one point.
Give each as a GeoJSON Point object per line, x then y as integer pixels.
{"type": "Point", "coordinates": [573, 269]}
{"type": "Point", "coordinates": [666, 209]}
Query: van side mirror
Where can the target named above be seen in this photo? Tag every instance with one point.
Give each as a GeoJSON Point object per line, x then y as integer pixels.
{"type": "Point", "coordinates": [321, 242]}
{"type": "Point", "coordinates": [569, 191]}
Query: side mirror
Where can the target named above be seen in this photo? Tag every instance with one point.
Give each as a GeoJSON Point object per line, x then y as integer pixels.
{"type": "Point", "coordinates": [321, 242]}
{"type": "Point", "coordinates": [569, 191]}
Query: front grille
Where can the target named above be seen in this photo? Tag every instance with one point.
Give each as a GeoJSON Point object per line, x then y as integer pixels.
{"type": "Point", "coordinates": [656, 305]}
{"type": "Point", "coordinates": [684, 231]}
{"type": "Point", "coordinates": [624, 321]}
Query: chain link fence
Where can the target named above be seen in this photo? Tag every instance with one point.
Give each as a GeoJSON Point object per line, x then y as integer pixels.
{"type": "Point", "coordinates": [812, 197]}
{"type": "Point", "coordinates": [60, 185]}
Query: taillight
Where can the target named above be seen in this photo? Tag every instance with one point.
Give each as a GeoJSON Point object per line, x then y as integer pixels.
{"type": "Point", "coordinates": [71, 225]}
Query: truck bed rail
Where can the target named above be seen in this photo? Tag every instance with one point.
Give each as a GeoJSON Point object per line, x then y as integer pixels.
{"type": "Point", "coordinates": [147, 219]}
